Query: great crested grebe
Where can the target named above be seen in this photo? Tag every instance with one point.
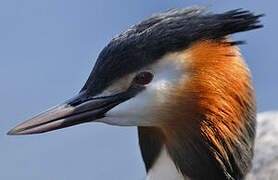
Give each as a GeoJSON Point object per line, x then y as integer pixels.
{"type": "Point", "coordinates": [179, 78]}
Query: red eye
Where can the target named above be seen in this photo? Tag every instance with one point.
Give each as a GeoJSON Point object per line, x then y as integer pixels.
{"type": "Point", "coordinates": [143, 78]}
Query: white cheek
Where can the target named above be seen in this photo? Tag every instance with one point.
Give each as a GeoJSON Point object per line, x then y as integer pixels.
{"type": "Point", "coordinates": [161, 88]}
{"type": "Point", "coordinates": [134, 112]}
{"type": "Point", "coordinates": [138, 111]}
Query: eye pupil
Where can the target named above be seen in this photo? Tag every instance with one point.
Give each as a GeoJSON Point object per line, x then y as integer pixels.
{"type": "Point", "coordinates": [143, 78]}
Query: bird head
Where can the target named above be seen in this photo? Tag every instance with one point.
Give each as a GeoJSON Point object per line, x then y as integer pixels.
{"type": "Point", "coordinates": [179, 73]}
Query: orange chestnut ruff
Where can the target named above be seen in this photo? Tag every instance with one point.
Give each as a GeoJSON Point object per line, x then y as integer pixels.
{"type": "Point", "coordinates": [214, 108]}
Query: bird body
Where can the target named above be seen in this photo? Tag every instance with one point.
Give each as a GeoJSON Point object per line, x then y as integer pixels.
{"type": "Point", "coordinates": [265, 162]}
{"type": "Point", "coordinates": [179, 78]}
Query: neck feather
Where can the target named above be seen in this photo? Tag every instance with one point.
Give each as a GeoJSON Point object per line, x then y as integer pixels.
{"type": "Point", "coordinates": [211, 133]}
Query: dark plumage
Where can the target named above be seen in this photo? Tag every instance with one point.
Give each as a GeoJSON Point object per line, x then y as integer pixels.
{"type": "Point", "coordinates": [171, 31]}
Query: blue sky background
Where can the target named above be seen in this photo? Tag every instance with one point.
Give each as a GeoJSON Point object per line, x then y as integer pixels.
{"type": "Point", "coordinates": [47, 50]}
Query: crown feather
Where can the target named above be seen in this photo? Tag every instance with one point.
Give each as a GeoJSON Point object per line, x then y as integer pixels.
{"type": "Point", "coordinates": [171, 31]}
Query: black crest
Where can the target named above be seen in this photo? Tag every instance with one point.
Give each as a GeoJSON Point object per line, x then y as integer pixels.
{"type": "Point", "coordinates": [173, 30]}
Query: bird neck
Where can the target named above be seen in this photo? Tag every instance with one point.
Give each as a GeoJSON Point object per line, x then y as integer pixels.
{"type": "Point", "coordinates": [211, 133]}
{"type": "Point", "coordinates": [194, 159]}
{"type": "Point", "coordinates": [182, 161]}
{"type": "Point", "coordinates": [164, 168]}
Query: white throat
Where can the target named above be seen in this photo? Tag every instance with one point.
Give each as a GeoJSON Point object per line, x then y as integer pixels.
{"type": "Point", "coordinates": [164, 168]}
